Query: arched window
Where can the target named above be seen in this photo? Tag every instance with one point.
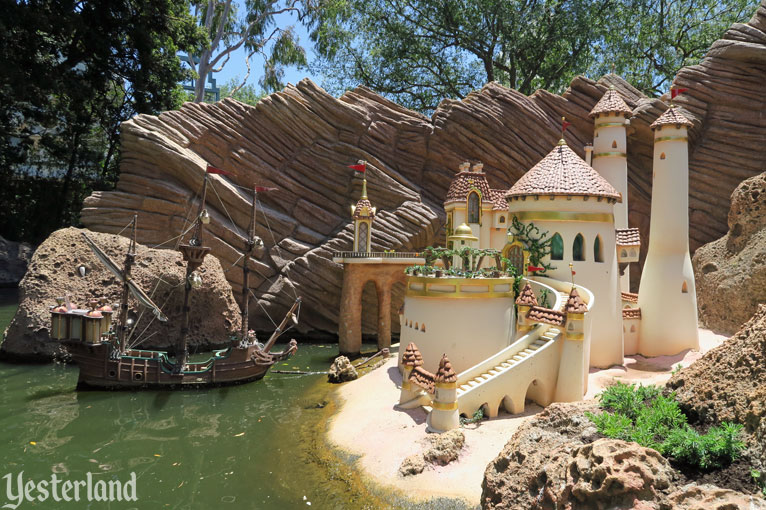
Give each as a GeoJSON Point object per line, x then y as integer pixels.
{"type": "Point", "coordinates": [557, 247]}
{"type": "Point", "coordinates": [623, 253]}
{"type": "Point", "coordinates": [361, 243]}
{"type": "Point", "coordinates": [614, 144]}
{"type": "Point", "coordinates": [423, 327]}
{"type": "Point", "coordinates": [662, 156]}
{"type": "Point", "coordinates": [685, 288]}
{"type": "Point", "coordinates": [449, 224]}
{"type": "Point", "coordinates": [473, 207]}
{"type": "Point", "coordinates": [502, 219]}
{"type": "Point", "coordinates": [578, 248]}
{"type": "Point", "coordinates": [598, 250]}
{"type": "Point", "coordinates": [633, 328]}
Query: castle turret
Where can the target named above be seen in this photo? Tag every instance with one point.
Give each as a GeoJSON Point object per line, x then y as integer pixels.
{"type": "Point", "coordinates": [609, 156]}
{"type": "Point", "coordinates": [444, 415]}
{"type": "Point", "coordinates": [411, 359]}
{"type": "Point", "coordinates": [524, 303]}
{"type": "Point", "coordinates": [363, 213]}
{"type": "Point", "coordinates": [667, 296]}
{"type": "Point", "coordinates": [573, 367]}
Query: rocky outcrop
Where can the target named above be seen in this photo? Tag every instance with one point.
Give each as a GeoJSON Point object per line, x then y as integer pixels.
{"type": "Point", "coordinates": [556, 460]}
{"type": "Point", "coordinates": [301, 140]}
{"type": "Point", "coordinates": [342, 370]}
{"type": "Point", "coordinates": [729, 382]}
{"type": "Point", "coordinates": [441, 449]}
{"type": "Point", "coordinates": [730, 272]}
{"type": "Point", "coordinates": [54, 271]}
{"type": "Point", "coordinates": [14, 258]}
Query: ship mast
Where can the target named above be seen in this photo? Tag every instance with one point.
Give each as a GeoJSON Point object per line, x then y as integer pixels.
{"type": "Point", "coordinates": [194, 254]}
{"type": "Point", "coordinates": [130, 257]}
{"type": "Point", "coordinates": [249, 246]}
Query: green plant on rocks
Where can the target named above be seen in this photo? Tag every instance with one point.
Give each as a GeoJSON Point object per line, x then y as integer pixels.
{"type": "Point", "coordinates": [644, 415]}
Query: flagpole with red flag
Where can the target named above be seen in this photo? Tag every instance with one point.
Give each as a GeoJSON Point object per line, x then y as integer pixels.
{"type": "Point", "coordinates": [213, 170]}
{"type": "Point", "coordinates": [361, 166]}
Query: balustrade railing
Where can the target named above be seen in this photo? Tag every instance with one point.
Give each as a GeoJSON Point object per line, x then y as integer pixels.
{"type": "Point", "coordinates": [377, 255]}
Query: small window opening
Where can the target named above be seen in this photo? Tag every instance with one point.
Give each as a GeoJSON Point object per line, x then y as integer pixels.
{"type": "Point", "coordinates": [614, 144]}
{"type": "Point", "coordinates": [662, 156]}
{"type": "Point", "coordinates": [685, 288]}
{"type": "Point", "coordinates": [578, 252]}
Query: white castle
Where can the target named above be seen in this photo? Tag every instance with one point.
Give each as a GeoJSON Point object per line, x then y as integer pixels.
{"type": "Point", "coordinates": [501, 348]}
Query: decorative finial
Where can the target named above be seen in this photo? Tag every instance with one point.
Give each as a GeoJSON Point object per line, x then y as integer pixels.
{"type": "Point", "coordinates": [564, 126]}
{"type": "Point", "coordinates": [361, 166]}
{"type": "Point", "coordinates": [571, 268]}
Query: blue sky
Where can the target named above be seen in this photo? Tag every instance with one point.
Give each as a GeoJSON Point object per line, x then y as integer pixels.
{"type": "Point", "coordinates": [236, 67]}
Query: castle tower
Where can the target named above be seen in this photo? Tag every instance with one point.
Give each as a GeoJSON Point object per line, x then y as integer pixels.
{"type": "Point", "coordinates": [667, 295]}
{"type": "Point", "coordinates": [609, 155]}
{"type": "Point", "coordinates": [411, 359]}
{"type": "Point", "coordinates": [524, 302]}
{"type": "Point", "coordinates": [444, 415]}
{"type": "Point", "coordinates": [573, 367]}
{"type": "Point", "coordinates": [566, 198]}
{"type": "Point", "coordinates": [363, 213]}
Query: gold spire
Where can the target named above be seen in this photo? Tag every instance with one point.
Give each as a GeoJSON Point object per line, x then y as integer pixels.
{"type": "Point", "coordinates": [364, 188]}
{"type": "Point", "coordinates": [562, 142]}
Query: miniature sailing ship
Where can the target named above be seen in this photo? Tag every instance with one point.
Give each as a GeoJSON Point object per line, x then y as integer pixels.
{"type": "Point", "coordinates": [100, 348]}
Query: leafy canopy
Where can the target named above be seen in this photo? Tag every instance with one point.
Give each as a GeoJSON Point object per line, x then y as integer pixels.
{"type": "Point", "coordinates": [419, 52]}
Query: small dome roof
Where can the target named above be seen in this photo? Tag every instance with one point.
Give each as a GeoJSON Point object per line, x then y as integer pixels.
{"type": "Point", "coordinates": [464, 233]}
{"type": "Point", "coordinates": [671, 116]}
{"type": "Point", "coordinates": [562, 172]}
{"type": "Point", "coordinates": [611, 102]}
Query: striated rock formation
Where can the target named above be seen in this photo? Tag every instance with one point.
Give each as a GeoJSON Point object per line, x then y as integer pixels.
{"type": "Point", "coordinates": [14, 258]}
{"type": "Point", "coordinates": [556, 461]}
{"type": "Point", "coordinates": [53, 272]}
{"type": "Point", "coordinates": [301, 140]}
{"type": "Point", "coordinates": [730, 272]}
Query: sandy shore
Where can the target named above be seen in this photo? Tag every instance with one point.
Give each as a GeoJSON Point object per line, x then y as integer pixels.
{"type": "Point", "coordinates": [368, 425]}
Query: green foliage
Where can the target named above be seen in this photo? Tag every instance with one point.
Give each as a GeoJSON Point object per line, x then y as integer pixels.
{"type": "Point", "coordinates": [72, 72]}
{"type": "Point", "coordinates": [545, 298]}
{"type": "Point", "coordinates": [477, 417]}
{"type": "Point", "coordinates": [644, 415]}
{"type": "Point", "coordinates": [536, 242]}
{"type": "Point", "coordinates": [720, 446]}
{"type": "Point", "coordinates": [759, 480]}
{"type": "Point", "coordinates": [418, 53]}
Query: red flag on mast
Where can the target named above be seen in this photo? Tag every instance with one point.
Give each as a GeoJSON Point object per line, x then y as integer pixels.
{"type": "Point", "coordinates": [362, 167]}
{"type": "Point", "coordinates": [213, 170]}
{"type": "Point", "coordinates": [564, 124]}
{"type": "Point", "coordinates": [677, 92]}
{"type": "Point", "coordinates": [261, 189]}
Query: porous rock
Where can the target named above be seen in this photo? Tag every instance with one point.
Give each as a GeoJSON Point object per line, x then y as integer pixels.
{"type": "Point", "coordinates": [342, 370]}
{"type": "Point", "coordinates": [729, 382]}
{"type": "Point", "coordinates": [413, 465]}
{"type": "Point", "coordinates": [301, 140]}
{"type": "Point", "coordinates": [445, 447]}
{"type": "Point", "coordinates": [53, 272]}
{"type": "Point", "coordinates": [730, 272]}
{"type": "Point", "coordinates": [710, 497]}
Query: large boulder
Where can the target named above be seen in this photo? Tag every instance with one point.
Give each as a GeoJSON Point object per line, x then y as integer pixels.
{"type": "Point", "coordinates": [54, 272]}
{"type": "Point", "coordinates": [730, 272]}
{"type": "Point", "coordinates": [301, 140]}
{"type": "Point", "coordinates": [729, 383]}
{"type": "Point", "coordinates": [14, 258]}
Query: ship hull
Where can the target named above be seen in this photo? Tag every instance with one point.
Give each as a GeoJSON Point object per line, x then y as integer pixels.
{"type": "Point", "coordinates": [136, 370]}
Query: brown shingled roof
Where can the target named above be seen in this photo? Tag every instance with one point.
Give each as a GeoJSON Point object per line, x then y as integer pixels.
{"type": "Point", "coordinates": [498, 199]}
{"type": "Point", "coordinates": [628, 236]}
{"type": "Point", "coordinates": [671, 116]}
{"type": "Point", "coordinates": [546, 315]}
{"type": "Point", "coordinates": [575, 303]}
{"type": "Point", "coordinates": [562, 172]}
{"type": "Point", "coordinates": [423, 378]}
{"type": "Point", "coordinates": [464, 182]}
{"type": "Point", "coordinates": [412, 356]}
{"type": "Point", "coordinates": [363, 209]}
{"type": "Point", "coordinates": [631, 313]}
{"type": "Point", "coordinates": [629, 297]}
{"type": "Point", "coordinates": [610, 102]}
{"type": "Point", "coordinates": [445, 373]}
{"type": "Point", "coordinates": [527, 296]}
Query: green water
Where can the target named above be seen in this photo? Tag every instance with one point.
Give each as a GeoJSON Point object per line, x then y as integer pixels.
{"type": "Point", "coordinates": [242, 447]}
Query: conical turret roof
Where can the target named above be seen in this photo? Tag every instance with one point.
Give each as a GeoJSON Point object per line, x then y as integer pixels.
{"type": "Point", "coordinates": [672, 116]}
{"type": "Point", "coordinates": [611, 102]}
{"type": "Point", "coordinates": [562, 172]}
{"type": "Point", "coordinates": [527, 296]}
{"type": "Point", "coordinates": [445, 373]}
{"type": "Point", "coordinates": [412, 356]}
{"type": "Point", "coordinates": [575, 303]}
